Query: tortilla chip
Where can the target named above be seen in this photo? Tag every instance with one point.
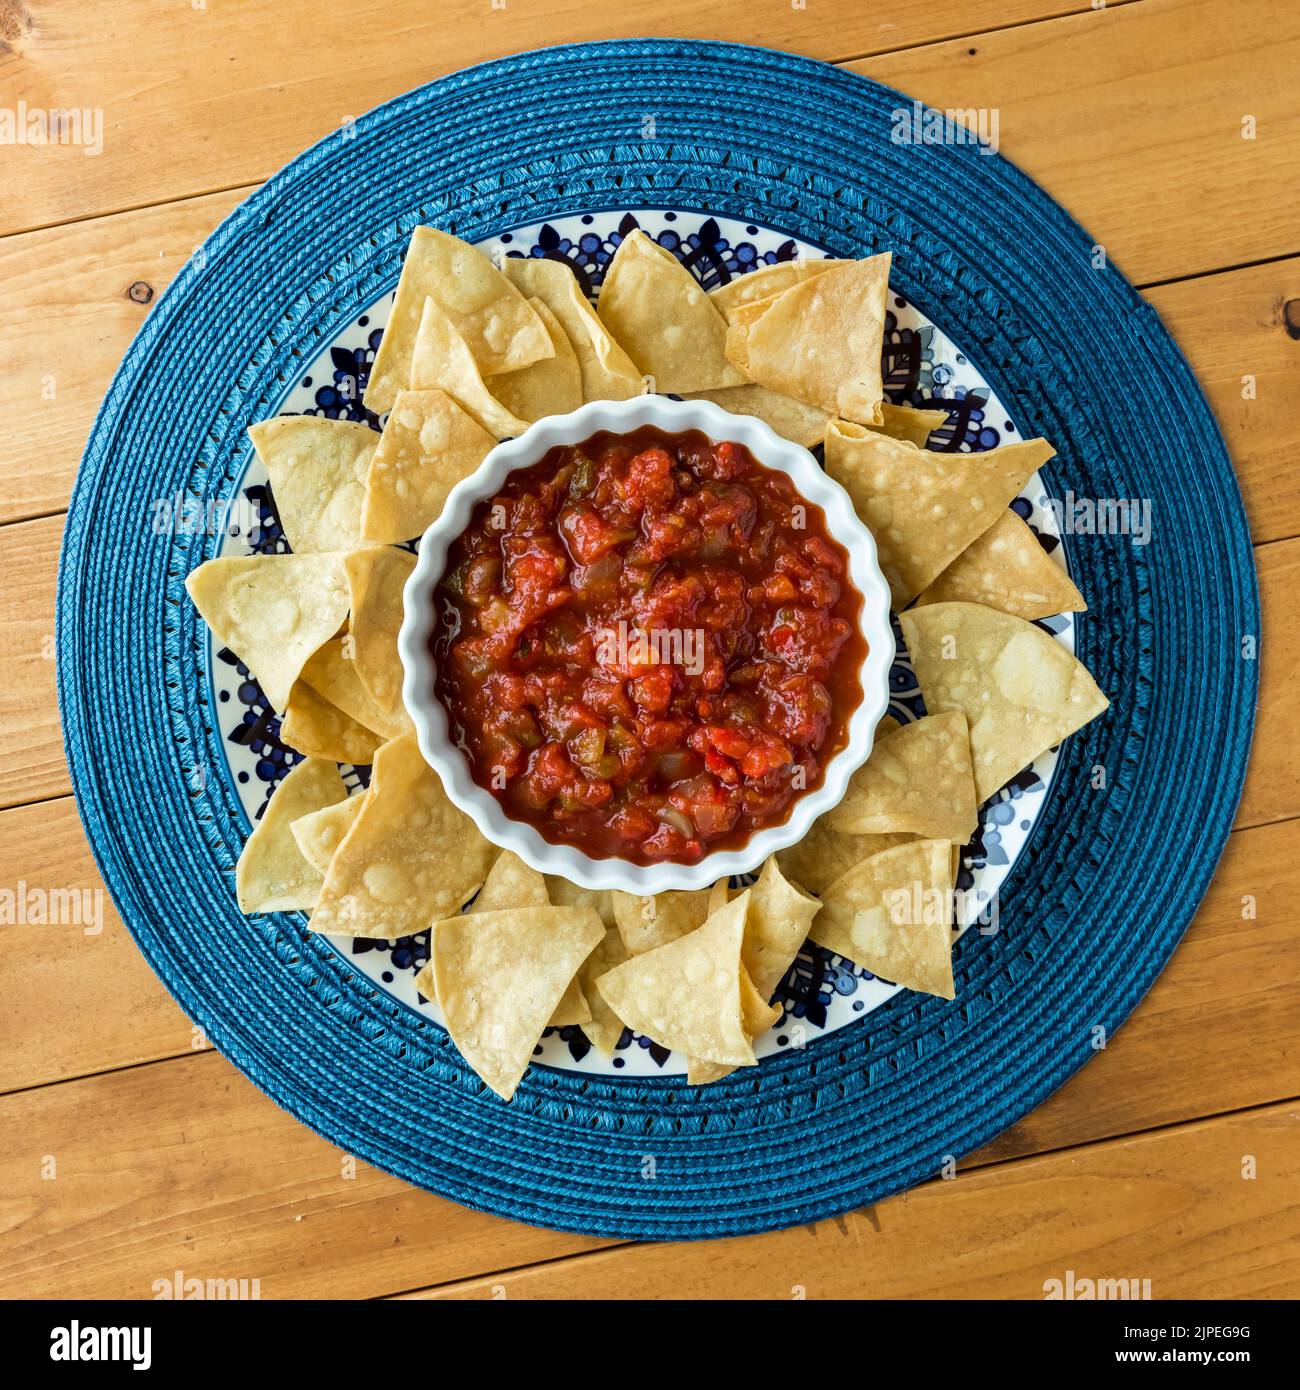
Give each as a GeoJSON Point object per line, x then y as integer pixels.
{"type": "Point", "coordinates": [272, 875]}
{"type": "Point", "coordinates": [1007, 568]}
{"type": "Point", "coordinates": [823, 854]}
{"type": "Point", "coordinates": [719, 896]}
{"type": "Point", "coordinates": [410, 858]}
{"type": "Point", "coordinates": [552, 386]}
{"type": "Point", "coordinates": [757, 1017]}
{"type": "Point", "coordinates": [917, 781]}
{"type": "Point", "coordinates": [376, 579]}
{"type": "Point", "coordinates": [820, 340]}
{"type": "Point", "coordinates": [319, 833]}
{"type": "Point", "coordinates": [801, 424]}
{"type": "Point", "coordinates": [657, 309]}
{"type": "Point", "coordinates": [566, 894]}
{"type": "Point", "coordinates": [1020, 690]}
{"type": "Point", "coordinates": [428, 445]}
{"type": "Point", "coordinates": [333, 675]}
{"type": "Point", "coordinates": [908, 423]}
{"type": "Point", "coordinates": [779, 918]}
{"type": "Point", "coordinates": [892, 915]}
{"type": "Point", "coordinates": [499, 977]}
{"type": "Point", "coordinates": [767, 282]}
{"type": "Point", "coordinates": [272, 611]}
{"type": "Point", "coordinates": [317, 729]}
{"type": "Point", "coordinates": [604, 1028]}
{"type": "Point", "coordinates": [739, 321]}
{"type": "Point", "coordinates": [494, 319]}
{"type": "Point", "coordinates": [925, 508]}
{"type": "Point", "coordinates": [645, 923]}
{"type": "Point", "coordinates": [608, 373]}
{"type": "Point", "coordinates": [317, 468]}
{"type": "Point", "coordinates": [441, 361]}
{"type": "Point", "coordinates": [686, 996]}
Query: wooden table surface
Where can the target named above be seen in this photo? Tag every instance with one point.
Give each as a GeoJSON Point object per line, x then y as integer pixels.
{"type": "Point", "coordinates": [1170, 128]}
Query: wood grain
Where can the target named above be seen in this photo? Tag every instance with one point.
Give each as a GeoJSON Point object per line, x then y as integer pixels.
{"type": "Point", "coordinates": [200, 97]}
{"type": "Point", "coordinates": [1131, 117]}
{"type": "Point", "coordinates": [184, 1165]}
{"type": "Point", "coordinates": [1171, 1207]}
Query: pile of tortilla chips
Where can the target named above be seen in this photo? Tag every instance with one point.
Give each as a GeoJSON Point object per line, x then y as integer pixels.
{"type": "Point", "coordinates": [473, 353]}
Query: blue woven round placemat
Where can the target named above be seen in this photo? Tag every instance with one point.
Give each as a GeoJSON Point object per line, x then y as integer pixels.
{"type": "Point", "coordinates": [1112, 875]}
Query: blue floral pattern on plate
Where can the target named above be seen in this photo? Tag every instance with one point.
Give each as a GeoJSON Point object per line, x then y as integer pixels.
{"type": "Point", "coordinates": [920, 365]}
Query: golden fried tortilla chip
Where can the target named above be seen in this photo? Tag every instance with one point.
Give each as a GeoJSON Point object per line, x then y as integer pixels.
{"type": "Point", "coordinates": [918, 781]}
{"type": "Point", "coordinates": [791, 419]}
{"type": "Point", "coordinates": [428, 445]}
{"type": "Point", "coordinates": [925, 508]}
{"type": "Point", "coordinates": [604, 1028]}
{"type": "Point", "coordinates": [272, 875]}
{"type": "Point", "coordinates": [376, 579]}
{"type": "Point", "coordinates": [767, 282]}
{"type": "Point", "coordinates": [686, 996]}
{"type": "Point", "coordinates": [319, 833]}
{"type": "Point", "coordinates": [908, 423]}
{"type": "Point", "coordinates": [820, 340]}
{"type": "Point", "coordinates": [496, 322]}
{"type": "Point", "coordinates": [660, 313]}
{"type": "Point", "coordinates": [317, 729]}
{"type": "Point", "coordinates": [647, 922]}
{"type": "Point", "coordinates": [1020, 690]}
{"type": "Point", "coordinates": [552, 386]}
{"type": "Point", "coordinates": [824, 854]}
{"type": "Point", "coordinates": [318, 473]}
{"type": "Point", "coordinates": [608, 373]}
{"type": "Point", "coordinates": [892, 915]}
{"type": "Point", "coordinates": [499, 978]}
{"type": "Point", "coordinates": [441, 361]}
{"type": "Point", "coordinates": [1007, 568]}
{"type": "Point", "coordinates": [780, 915]}
{"type": "Point", "coordinates": [272, 611]}
{"type": "Point", "coordinates": [332, 674]}
{"type": "Point", "coordinates": [566, 894]}
{"type": "Point", "coordinates": [410, 858]}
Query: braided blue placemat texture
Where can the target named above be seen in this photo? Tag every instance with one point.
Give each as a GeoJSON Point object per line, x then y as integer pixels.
{"type": "Point", "coordinates": [1110, 879]}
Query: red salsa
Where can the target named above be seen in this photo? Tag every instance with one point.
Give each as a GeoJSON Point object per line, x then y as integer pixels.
{"type": "Point", "coordinates": [648, 645]}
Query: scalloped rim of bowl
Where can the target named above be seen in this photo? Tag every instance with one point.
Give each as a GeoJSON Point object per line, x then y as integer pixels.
{"type": "Point", "coordinates": [430, 718]}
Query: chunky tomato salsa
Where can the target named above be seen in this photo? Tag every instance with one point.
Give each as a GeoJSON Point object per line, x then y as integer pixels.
{"type": "Point", "coordinates": [648, 645]}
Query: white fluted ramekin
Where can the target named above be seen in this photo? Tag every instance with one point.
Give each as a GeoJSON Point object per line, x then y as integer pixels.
{"type": "Point", "coordinates": [621, 417]}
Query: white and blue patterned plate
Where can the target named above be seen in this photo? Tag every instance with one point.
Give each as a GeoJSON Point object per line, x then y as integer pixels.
{"type": "Point", "coordinates": [922, 367]}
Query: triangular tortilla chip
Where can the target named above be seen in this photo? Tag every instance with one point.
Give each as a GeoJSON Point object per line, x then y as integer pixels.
{"type": "Point", "coordinates": [824, 854]}
{"type": "Point", "coordinates": [908, 423]}
{"type": "Point", "coordinates": [767, 282]}
{"type": "Point", "coordinates": [441, 361]}
{"type": "Point", "coordinates": [918, 781]}
{"type": "Point", "coordinates": [428, 445]}
{"type": "Point", "coordinates": [332, 674]}
{"type": "Point", "coordinates": [645, 923]}
{"type": "Point", "coordinates": [552, 386]}
{"type": "Point", "coordinates": [494, 319]}
{"type": "Point", "coordinates": [925, 508]}
{"type": "Point", "coordinates": [272, 875]}
{"type": "Point", "coordinates": [563, 893]}
{"type": "Point", "coordinates": [757, 1018]}
{"type": "Point", "coordinates": [608, 373]}
{"type": "Point", "coordinates": [410, 858]}
{"type": "Point", "coordinates": [686, 996]}
{"type": "Point", "coordinates": [319, 833]}
{"type": "Point", "coordinates": [1007, 568]}
{"type": "Point", "coordinates": [272, 611]}
{"type": "Point", "coordinates": [1020, 690]}
{"type": "Point", "coordinates": [376, 579]}
{"type": "Point", "coordinates": [892, 915]}
{"type": "Point", "coordinates": [779, 918]}
{"type": "Point", "coordinates": [317, 468]}
{"type": "Point", "coordinates": [499, 977]}
{"type": "Point", "coordinates": [660, 313]}
{"type": "Point", "coordinates": [791, 419]}
{"type": "Point", "coordinates": [318, 729]}
{"type": "Point", "coordinates": [820, 340]}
